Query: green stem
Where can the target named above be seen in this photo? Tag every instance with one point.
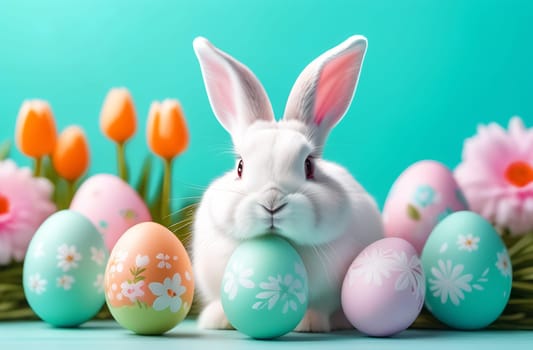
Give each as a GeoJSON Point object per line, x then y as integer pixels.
{"type": "Point", "coordinates": [70, 192]}
{"type": "Point", "coordinates": [121, 157]}
{"type": "Point", "coordinates": [38, 166]}
{"type": "Point", "coordinates": [165, 196]}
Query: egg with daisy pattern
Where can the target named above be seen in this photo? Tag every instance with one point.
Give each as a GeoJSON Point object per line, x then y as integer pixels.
{"type": "Point", "coordinates": [148, 281]}
{"type": "Point", "coordinates": [468, 272]}
{"type": "Point", "coordinates": [63, 272]}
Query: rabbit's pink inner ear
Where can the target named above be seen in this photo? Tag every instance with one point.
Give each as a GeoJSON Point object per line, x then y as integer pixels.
{"type": "Point", "coordinates": [220, 88]}
{"type": "Point", "coordinates": [335, 87]}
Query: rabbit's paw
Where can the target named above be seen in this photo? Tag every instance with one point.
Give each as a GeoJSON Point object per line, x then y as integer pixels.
{"type": "Point", "coordinates": [314, 321]}
{"type": "Point", "coordinates": [213, 317]}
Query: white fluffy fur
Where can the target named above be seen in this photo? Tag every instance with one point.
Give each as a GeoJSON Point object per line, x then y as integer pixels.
{"type": "Point", "coordinates": [329, 218]}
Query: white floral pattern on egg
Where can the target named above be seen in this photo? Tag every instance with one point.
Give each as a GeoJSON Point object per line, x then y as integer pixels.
{"type": "Point", "coordinates": [148, 280]}
{"type": "Point", "coordinates": [383, 291]}
{"type": "Point", "coordinates": [64, 270]}
{"type": "Point", "coordinates": [264, 289]}
{"type": "Point", "coordinates": [468, 271]}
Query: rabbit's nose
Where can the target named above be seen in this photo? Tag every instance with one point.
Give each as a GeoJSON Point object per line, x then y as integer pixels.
{"type": "Point", "coordinates": [272, 196]}
{"type": "Point", "coordinates": [273, 211]}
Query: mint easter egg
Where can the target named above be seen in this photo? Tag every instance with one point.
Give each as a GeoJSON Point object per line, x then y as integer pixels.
{"type": "Point", "coordinates": [468, 271]}
{"type": "Point", "coordinates": [63, 274]}
{"type": "Point", "coordinates": [264, 289]}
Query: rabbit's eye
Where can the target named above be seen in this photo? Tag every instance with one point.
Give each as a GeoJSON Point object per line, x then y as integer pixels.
{"type": "Point", "coordinates": [239, 169]}
{"type": "Point", "coordinates": [309, 169]}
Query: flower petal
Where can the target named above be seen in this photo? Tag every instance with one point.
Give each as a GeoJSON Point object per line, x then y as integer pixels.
{"type": "Point", "coordinates": [157, 288]}
{"type": "Point", "coordinates": [175, 304]}
{"type": "Point", "coordinates": [246, 283]}
{"type": "Point", "coordinates": [266, 295]}
{"type": "Point", "coordinates": [272, 301]}
{"type": "Point", "coordinates": [161, 303]}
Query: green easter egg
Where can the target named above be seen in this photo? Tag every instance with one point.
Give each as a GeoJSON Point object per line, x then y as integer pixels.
{"type": "Point", "coordinates": [63, 274]}
{"type": "Point", "coordinates": [468, 272]}
{"type": "Point", "coordinates": [265, 289]}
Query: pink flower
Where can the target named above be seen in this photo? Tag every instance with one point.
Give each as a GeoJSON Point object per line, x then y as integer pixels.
{"type": "Point", "coordinates": [496, 175]}
{"type": "Point", "coordinates": [25, 202]}
{"type": "Point", "coordinates": [132, 290]}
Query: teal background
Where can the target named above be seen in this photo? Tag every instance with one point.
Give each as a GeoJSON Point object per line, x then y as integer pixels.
{"type": "Point", "coordinates": [433, 71]}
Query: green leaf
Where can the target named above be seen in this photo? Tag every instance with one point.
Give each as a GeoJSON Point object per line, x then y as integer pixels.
{"type": "Point", "coordinates": [48, 170]}
{"type": "Point", "coordinates": [523, 287]}
{"type": "Point", "coordinates": [524, 242]}
{"type": "Point", "coordinates": [413, 213]}
{"type": "Point", "coordinates": [144, 178]}
{"type": "Point", "coordinates": [5, 147]}
{"type": "Point", "coordinates": [61, 194]}
{"type": "Point", "coordinates": [138, 278]}
{"type": "Point", "coordinates": [61, 191]}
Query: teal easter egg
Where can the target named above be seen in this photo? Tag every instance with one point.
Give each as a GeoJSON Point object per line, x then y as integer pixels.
{"type": "Point", "coordinates": [63, 273]}
{"type": "Point", "coordinates": [264, 288]}
{"type": "Point", "coordinates": [468, 272]}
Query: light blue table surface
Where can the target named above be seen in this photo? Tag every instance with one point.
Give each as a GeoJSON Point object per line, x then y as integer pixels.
{"type": "Point", "coordinates": [186, 336]}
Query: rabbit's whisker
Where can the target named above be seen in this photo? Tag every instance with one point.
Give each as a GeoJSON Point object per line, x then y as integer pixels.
{"type": "Point", "coordinates": [322, 258]}
{"type": "Point", "coordinates": [229, 190]}
{"type": "Point", "coordinates": [180, 225]}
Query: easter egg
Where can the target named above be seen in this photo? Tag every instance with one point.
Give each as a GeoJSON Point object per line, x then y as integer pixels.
{"type": "Point", "coordinates": [111, 205]}
{"type": "Point", "coordinates": [468, 272]}
{"type": "Point", "coordinates": [424, 194]}
{"type": "Point", "coordinates": [383, 291]}
{"type": "Point", "coordinates": [149, 283]}
{"type": "Point", "coordinates": [264, 289]}
{"type": "Point", "coordinates": [63, 274]}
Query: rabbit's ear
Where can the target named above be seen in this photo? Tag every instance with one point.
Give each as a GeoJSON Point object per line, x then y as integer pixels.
{"type": "Point", "coordinates": [236, 96]}
{"type": "Point", "coordinates": [324, 90]}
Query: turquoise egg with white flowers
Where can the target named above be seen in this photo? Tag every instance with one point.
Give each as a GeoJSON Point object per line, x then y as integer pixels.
{"type": "Point", "coordinates": [468, 272]}
{"type": "Point", "coordinates": [63, 274]}
{"type": "Point", "coordinates": [265, 289]}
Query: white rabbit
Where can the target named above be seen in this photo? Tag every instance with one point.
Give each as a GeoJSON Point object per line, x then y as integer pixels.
{"type": "Point", "coordinates": [280, 183]}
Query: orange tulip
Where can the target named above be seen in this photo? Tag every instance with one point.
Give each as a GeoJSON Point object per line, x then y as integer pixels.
{"type": "Point", "coordinates": [35, 130]}
{"type": "Point", "coordinates": [71, 155]}
{"type": "Point", "coordinates": [167, 137]}
{"type": "Point", "coordinates": [118, 117]}
{"type": "Point", "coordinates": [166, 131]}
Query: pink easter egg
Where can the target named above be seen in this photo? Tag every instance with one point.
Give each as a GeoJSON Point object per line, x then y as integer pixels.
{"type": "Point", "coordinates": [384, 288]}
{"type": "Point", "coordinates": [423, 195]}
{"type": "Point", "coordinates": [111, 205]}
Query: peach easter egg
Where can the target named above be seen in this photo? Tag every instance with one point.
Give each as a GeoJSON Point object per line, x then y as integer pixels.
{"type": "Point", "coordinates": [148, 281]}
